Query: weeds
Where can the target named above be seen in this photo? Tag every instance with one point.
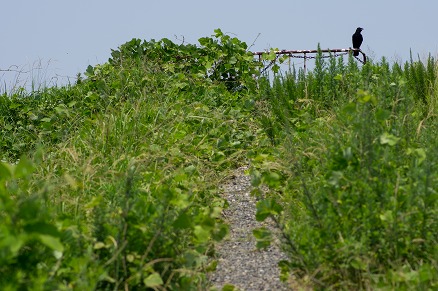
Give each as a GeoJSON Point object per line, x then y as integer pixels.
{"type": "Point", "coordinates": [123, 193]}
{"type": "Point", "coordinates": [111, 183]}
{"type": "Point", "coordinates": [359, 176]}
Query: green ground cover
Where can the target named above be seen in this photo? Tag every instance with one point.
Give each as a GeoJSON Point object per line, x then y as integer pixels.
{"type": "Point", "coordinates": [111, 183]}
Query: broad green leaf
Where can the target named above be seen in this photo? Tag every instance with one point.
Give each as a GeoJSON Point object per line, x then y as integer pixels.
{"type": "Point", "coordinates": [42, 228]}
{"type": "Point", "coordinates": [338, 77]}
{"type": "Point", "coordinates": [256, 178]}
{"type": "Point", "coordinates": [153, 280]}
{"type": "Point", "coordinates": [358, 264]}
{"type": "Point", "coordinates": [6, 171]}
{"type": "Point", "coordinates": [130, 258]}
{"type": "Point", "coordinates": [335, 178]}
{"type": "Point", "coordinates": [190, 169]}
{"type": "Point", "coordinates": [382, 115]}
{"type": "Point", "coordinates": [180, 200]}
{"type": "Point", "coordinates": [208, 222]}
{"type": "Point", "coordinates": [13, 243]}
{"type": "Point", "coordinates": [52, 242]}
{"type": "Point", "coordinates": [71, 104]}
{"type": "Point", "coordinates": [95, 201]}
{"type": "Point", "coordinates": [221, 232]}
{"type": "Point", "coordinates": [261, 233]}
{"type": "Point", "coordinates": [347, 153]}
{"type": "Point", "coordinates": [23, 168]}
{"type": "Point", "coordinates": [387, 216]}
{"type": "Point", "coordinates": [262, 244]}
{"type": "Point", "coordinates": [426, 273]}
{"type": "Point", "coordinates": [204, 41]}
{"type": "Point", "coordinates": [389, 139]}
{"type": "Point", "coordinates": [266, 208]}
{"type": "Point", "coordinates": [193, 258]}
{"type": "Point", "coordinates": [201, 233]}
{"type": "Point", "coordinates": [57, 254]}
{"type": "Point", "coordinates": [212, 266]}
{"type": "Point", "coordinates": [216, 212]}
{"type": "Point", "coordinates": [183, 221]}
{"type": "Point", "coordinates": [284, 270]}
{"type": "Point", "coordinates": [99, 245]}
{"type": "Point", "coordinates": [228, 287]}
{"type": "Point", "coordinates": [263, 237]}
{"type": "Point", "coordinates": [218, 32]}
{"type": "Point", "coordinates": [419, 153]}
{"type": "Point", "coordinates": [90, 71]}
{"type": "Point", "coordinates": [365, 97]}
{"type": "Point", "coordinates": [272, 179]}
{"type": "Point", "coordinates": [349, 109]}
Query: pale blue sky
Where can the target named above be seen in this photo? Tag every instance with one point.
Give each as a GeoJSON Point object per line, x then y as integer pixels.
{"type": "Point", "coordinates": [67, 36]}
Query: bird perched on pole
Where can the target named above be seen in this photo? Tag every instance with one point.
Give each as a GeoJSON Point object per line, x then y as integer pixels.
{"type": "Point", "coordinates": [357, 40]}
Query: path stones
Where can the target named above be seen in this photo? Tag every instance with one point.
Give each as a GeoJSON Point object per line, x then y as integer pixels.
{"type": "Point", "coordinates": [239, 261]}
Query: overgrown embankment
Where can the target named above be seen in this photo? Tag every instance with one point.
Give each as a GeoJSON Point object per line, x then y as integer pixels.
{"type": "Point", "coordinates": [112, 183]}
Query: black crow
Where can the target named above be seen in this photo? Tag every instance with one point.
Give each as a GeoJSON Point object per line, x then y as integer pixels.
{"type": "Point", "coordinates": [357, 40]}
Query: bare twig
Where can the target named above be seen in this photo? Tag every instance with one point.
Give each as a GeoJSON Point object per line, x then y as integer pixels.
{"type": "Point", "coordinates": [253, 43]}
{"type": "Point", "coordinates": [16, 70]}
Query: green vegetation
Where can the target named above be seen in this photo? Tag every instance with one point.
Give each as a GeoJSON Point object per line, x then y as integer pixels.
{"type": "Point", "coordinates": [353, 176]}
{"type": "Point", "coordinates": [111, 183]}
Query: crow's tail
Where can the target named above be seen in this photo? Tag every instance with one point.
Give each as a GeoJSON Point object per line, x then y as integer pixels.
{"type": "Point", "coordinates": [355, 53]}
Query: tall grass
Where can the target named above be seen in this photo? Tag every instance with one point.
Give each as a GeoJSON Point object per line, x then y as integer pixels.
{"type": "Point", "coordinates": [111, 183]}
{"type": "Point", "coordinates": [358, 156]}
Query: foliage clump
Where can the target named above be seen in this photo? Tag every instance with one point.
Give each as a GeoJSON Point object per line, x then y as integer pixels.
{"type": "Point", "coordinates": [355, 173]}
{"type": "Point", "coordinates": [111, 183]}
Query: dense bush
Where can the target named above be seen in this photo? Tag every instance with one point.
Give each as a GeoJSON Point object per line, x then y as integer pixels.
{"type": "Point", "coordinates": [119, 187]}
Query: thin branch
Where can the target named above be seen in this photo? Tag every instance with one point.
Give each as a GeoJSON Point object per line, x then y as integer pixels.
{"type": "Point", "coordinates": [253, 43]}
{"type": "Point", "coordinates": [117, 253]}
{"type": "Point", "coordinates": [15, 70]}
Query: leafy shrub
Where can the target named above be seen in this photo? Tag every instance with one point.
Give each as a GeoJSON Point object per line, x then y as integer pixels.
{"type": "Point", "coordinates": [123, 194]}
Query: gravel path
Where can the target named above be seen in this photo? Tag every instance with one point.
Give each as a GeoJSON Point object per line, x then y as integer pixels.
{"type": "Point", "coordinates": [239, 262]}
